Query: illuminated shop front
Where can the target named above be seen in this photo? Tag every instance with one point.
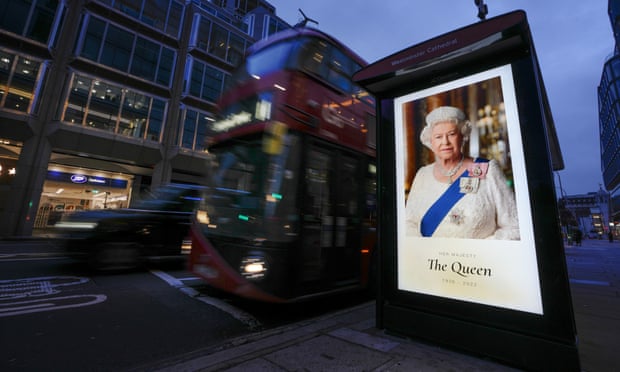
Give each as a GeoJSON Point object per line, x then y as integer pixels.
{"type": "Point", "coordinates": [7, 170]}
{"type": "Point", "coordinates": [68, 189]}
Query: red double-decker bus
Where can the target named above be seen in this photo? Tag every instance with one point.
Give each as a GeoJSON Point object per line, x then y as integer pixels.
{"type": "Point", "coordinates": [289, 212]}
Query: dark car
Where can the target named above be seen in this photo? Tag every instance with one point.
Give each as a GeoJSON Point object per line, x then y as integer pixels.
{"type": "Point", "coordinates": [153, 229]}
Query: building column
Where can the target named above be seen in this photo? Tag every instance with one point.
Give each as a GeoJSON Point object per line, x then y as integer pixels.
{"type": "Point", "coordinates": [162, 173]}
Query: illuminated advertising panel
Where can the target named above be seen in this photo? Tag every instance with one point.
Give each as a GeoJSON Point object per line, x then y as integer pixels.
{"type": "Point", "coordinates": [470, 247]}
{"type": "Point", "coordinates": [481, 219]}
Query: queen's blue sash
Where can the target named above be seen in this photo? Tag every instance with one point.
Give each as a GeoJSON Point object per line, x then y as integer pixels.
{"type": "Point", "coordinates": [436, 213]}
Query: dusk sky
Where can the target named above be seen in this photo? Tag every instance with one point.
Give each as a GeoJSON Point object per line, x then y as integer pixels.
{"type": "Point", "coordinates": [572, 38]}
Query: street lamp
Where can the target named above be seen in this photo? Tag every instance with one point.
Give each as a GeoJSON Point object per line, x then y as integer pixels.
{"type": "Point", "coordinates": [562, 210]}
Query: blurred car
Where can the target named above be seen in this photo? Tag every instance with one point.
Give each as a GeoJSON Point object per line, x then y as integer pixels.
{"type": "Point", "coordinates": [153, 229]}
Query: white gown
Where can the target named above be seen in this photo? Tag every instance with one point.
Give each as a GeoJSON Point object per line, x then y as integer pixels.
{"type": "Point", "coordinates": [488, 213]}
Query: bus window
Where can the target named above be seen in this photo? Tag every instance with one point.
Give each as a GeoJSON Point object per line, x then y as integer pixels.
{"type": "Point", "coordinates": [340, 70]}
{"type": "Point", "coordinates": [266, 61]}
{"type": "Point", "coordinates": [312, 57]}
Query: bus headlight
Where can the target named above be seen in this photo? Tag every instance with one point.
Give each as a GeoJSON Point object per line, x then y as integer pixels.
{"type": "Point", "coordinates": [253, 268]}
{"type": "Point", "coordinates": [202, 216]}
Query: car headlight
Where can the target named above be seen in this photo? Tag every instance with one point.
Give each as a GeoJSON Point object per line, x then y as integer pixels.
{"type": "Point", "coordinates": [254, 268]}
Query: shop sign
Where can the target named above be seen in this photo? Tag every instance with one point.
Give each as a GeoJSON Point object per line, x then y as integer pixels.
{"type": "Point", "coordinates": [83, 179]}
{"type": "Point", "coordinates": [79, 178]}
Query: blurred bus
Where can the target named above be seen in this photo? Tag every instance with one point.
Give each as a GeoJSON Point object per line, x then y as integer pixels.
{"type": "Point", "coordinates": [290, 212]}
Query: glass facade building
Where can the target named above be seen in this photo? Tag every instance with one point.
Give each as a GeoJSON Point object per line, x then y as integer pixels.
{"type": "Point", "coordinates": [111, 92]}
{"type": "Point", "coordinates": [609, 116]}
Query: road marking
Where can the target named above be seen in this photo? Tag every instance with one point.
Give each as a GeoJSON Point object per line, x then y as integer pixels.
{"type": "Point", "coordinates": [37, 286]}
{"type": "Point", "coordinates": [189, 278]}
{"type": "Point", "coordinates": [14, 289]}
{"type": "Point", "coordinates": [592, 282]}
{"type": "Point", "coordinates": [49, 304]}
{"type": "Point", "coordinates": [14, 258]}
{"type": "Point", "coordinates": [236, 313]}
{"type": "Point", "coordinates": [587, 248]}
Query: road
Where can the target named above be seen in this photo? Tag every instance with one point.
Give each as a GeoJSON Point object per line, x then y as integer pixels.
{"type": "Point", "coordinates": [56, 315]}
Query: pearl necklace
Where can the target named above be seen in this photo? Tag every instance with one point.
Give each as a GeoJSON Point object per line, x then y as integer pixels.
{"type": "Point", "coordinates": [452, 171]}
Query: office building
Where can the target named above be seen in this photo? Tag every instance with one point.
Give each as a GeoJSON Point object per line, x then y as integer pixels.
{"type": "Point", "coordinates": [590, 213]}
{"type": "Point", "coordinates": [102, 99]}
{"type": "Point", "coordinates": [609, 115]}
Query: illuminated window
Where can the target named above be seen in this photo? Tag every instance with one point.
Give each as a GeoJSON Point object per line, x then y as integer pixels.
{"type": "Point", "coordinates": [7, 170]}
{"type": "Point", "coordinates": [134, 113]}
{"type": "Point", "coordinates": [18, 81]}
{"type": "Point", "coordinates": [104, 106]}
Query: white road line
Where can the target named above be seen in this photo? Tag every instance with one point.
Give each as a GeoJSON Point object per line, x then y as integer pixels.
{"type": "Point", "coordinates": [48, 304]}
{"type": "Point", "coordinates": [592, 282]}
{"type": "Point", "coordinates": [38, 286]}
{"type": "Point", "coordinates": [13, 289]}
{"type": "Point", "coordinates": [189, 278]}
{"type": "Point", "coordinates": [61, 280]}
{"type": "Point", "coordinates": [238, 314]}
{"type": "Point", "coordinates": [4, 259]}
{"type": "Point", "coordinates": [19, 308]}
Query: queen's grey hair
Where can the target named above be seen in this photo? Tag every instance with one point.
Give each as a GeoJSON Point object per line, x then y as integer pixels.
{"type": "Point", "coordinates": [444, 114]}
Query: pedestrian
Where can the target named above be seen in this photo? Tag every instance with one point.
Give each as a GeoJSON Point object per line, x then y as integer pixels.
{"type": "Point", "coordinates": [578, 237]}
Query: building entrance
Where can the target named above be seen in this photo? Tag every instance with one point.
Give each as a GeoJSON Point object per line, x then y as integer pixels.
{"type": "Point", "coordinates": [69, 189]}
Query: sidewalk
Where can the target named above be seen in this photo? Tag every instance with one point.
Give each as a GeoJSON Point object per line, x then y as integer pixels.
{"type": "Point", "coordinates": [342, 341]}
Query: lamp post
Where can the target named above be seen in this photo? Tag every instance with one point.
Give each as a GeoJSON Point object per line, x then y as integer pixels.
{"type": "Point", "coordinates": [563, 221]}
